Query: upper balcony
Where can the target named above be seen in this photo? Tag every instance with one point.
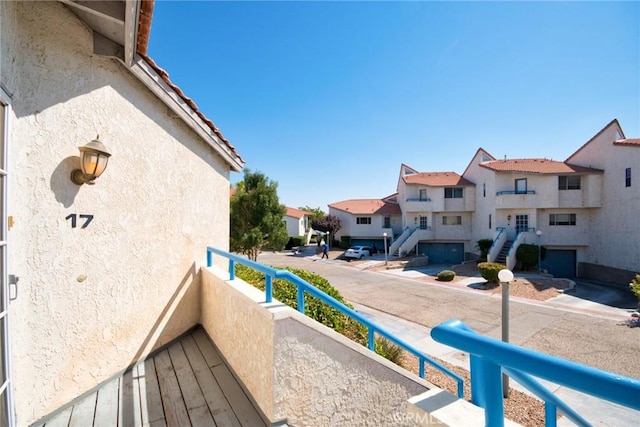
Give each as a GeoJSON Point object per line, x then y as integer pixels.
{"type": "Point", "coordinates": [416, 204]}
{"type": "Point", "coordinates": [510, 199]}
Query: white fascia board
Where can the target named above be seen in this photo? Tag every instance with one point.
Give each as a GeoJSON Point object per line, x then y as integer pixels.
{"type": "Point", "coordinates": [131, 11]}
{"type": "Point", "coordinates": [150, 78]}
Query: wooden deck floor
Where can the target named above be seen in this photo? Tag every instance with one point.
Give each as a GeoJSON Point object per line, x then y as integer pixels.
{"type": "Point", "coordinates": [185, 384]}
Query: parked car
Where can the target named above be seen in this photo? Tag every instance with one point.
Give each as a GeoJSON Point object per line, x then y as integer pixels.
{"type": "Point", "coordinates": [357, 252]}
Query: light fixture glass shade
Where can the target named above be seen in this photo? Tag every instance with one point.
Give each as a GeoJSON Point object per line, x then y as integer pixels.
{"type": "Point", "coordinates": [93, 161]}
{"type": "Point", "coordinates": [505, 275]}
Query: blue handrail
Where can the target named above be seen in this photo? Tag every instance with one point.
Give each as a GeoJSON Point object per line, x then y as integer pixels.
{"type": "Point", "coordinates": [304, 286]}
{"type": "Point", "coordinates": [500, 193]}
{"type": "Point", "coordinates": [489, 357]}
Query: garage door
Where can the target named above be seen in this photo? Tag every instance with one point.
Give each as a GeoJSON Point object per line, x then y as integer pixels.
{"type": "Point", "coordinates": [560, 262]}
{"type": "Point", "coordinates": [443, 253]}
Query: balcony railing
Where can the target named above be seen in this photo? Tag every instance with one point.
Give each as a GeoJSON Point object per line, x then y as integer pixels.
{"type": "Point", "coordinates": [417, 199]}
{"type": "Point", "coordinates": [489, 358]}
{"type": "Point", "coordinates": [502, 193]}
{"type": "Point", "coordinates": [304, 286]}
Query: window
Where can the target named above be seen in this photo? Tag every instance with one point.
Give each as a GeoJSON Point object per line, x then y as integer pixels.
{"type": "Point", "coordinates": [363, 220]}
{"type": "Point", "coordinates": [521, 186]}
{"type": "Point", "coordinates": [387, 222]}
{"type": "Point", "coordinates": [453, 193]}
{"type": "Point", "coordinates": [522, 223]}
{"type": "Point", "coordinates": [489, 221]}
{"type": "Point", "coordinates": [484, 190]}
{"type": "Point", "coordinates": [423, 223]}
{"type": "Point", "coordinates": [423, 195]}
{"type": "Point", "coordinates": [452, 220]}
{"type": "Point", "coordinates": [627, 177]}
{"type": "Point", "coordinates": [562, 219]}
{"type": "Point", "coordinates": [571, 182]}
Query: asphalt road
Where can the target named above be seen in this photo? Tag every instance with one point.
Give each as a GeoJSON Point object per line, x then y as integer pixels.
{"type": "Point", "coordinates": [571, 328]}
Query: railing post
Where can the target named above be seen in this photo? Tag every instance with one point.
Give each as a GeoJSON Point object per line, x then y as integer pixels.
{"type": "Point", "coordinates": [371, 342]}
{"type": "Point", "coordinates": [550, 415]}
{"type": "Point", "coordinates": [300, 299]}
{"type": "Point", "coordinates": [268, 288]}
{"type": "Point", "coordinates": [421, 369]}
{"type": "Point", "coordinates": [232, 270]}
{"type": "Point", "coordinates": [209, 258]}
{"type": "Point", "coordinates": [475, 365]}
{"type": "Point", "coordinates": [492, 394]}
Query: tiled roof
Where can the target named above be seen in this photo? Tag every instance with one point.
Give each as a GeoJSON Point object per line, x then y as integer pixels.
{"type": "Point", "coordinates": [541, 166]}
{"type": "Point", "coordinates": [142, 42]}
{"type": "Point", "coordinates": [296, 213]}
{"type": "Point", "coordinates": [437, 179]}
{"type": "Point", "coordinates": [629, 141]}
{"type": "Point", "coordinates": [367, 206]}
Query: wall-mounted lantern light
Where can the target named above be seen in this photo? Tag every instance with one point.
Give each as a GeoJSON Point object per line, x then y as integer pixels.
{"type": "Point", "coordinates": [508, 217]}
{"type": "Point", "coordinates": [93, 161]}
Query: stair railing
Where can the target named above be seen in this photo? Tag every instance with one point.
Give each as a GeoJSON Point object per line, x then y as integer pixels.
{"type": "Point", "coordinates": [303, 286]}
{"type": "Point", "coordinates": [498, 242]}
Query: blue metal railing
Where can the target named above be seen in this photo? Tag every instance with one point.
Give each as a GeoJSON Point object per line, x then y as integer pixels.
{"type": "Point", "coordinates": [501, 193]}
{"type": "Point", "coordinates": [490, 357]}
{"type": "Point", "coordinates": [417, 199]}
{"type": "Point", "coordinates": [304, 286]}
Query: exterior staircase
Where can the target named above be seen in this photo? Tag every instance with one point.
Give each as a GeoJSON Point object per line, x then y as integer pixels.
{"type": "Point", "coordinates": [502, 256]}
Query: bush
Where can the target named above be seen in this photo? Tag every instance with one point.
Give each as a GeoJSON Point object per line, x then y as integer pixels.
{"type": "Point", "coordinates": [446, 275]}
{"type": "Point", "coordinates": [345, 242]}
{"type": "Point", "coordinates": [389, 350]}
{"type": "Point", "coordinates": [527, 256]}
{"type": "Point", "coordinates": [287, 293]}
{"type": "Point", "coordinates": [483, 246]}
{"type": "Point", "coordinates": [299, 241]}
{"type": "Point", "coordinates": [489, 271]}
{"type": "Point", "coordinates": [635, 287]}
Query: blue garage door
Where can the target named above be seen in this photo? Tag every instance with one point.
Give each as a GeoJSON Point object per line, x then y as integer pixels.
{"type": "Point", "coordinates": [443, 253]}
{"type": "Point", "coordinates": [560, 262]}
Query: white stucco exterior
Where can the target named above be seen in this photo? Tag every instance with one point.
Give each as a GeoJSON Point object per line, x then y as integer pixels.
{"type": "Point", "coordinates": [91, 301]}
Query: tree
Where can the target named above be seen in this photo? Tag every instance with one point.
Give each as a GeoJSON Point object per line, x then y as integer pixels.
{"type": "Point", "coordinates": [256, 216]}
{"type": "Point", "coordinates": [329, 224]}
{"type": "Point", "coordinates": [317, 212]}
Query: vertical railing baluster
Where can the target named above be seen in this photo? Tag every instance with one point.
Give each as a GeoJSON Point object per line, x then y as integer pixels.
{"type": "Point", "coordinates": [492, 394]}
{"type": "Point", "coordinates": [421, 360]}
{"type": "Point", "coordinates": [550, 414]}
{"type": "Point", "coordinates": [232, 270]}
{"type": "Point", "coordinates": [475, 365]}
{"type": "Point", "coordinates": [209, 258]}
{"type": "Point", "coordinates": [371, 343]}
{"type": "Point", "coordinates": [268, 288]}
{"type": "Point", "coordinates": [300, 299]}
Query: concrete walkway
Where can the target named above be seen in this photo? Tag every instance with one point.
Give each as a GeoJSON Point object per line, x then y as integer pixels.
{"type": "Point", "coordinates": [408, 303]}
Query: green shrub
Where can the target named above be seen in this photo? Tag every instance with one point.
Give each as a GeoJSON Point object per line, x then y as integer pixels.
{"type": "Point", "coordinates": [489, 271]}
{"type": "Point", "coordinates": [389, 350]}
{"type": "Point", "coordinates": [635, 286]}
{"type": "Point", "coordinates": [345, 242]}
{"type": "Point", "coordinates": [527, 256]}
{"type": "Point", "coordinates": [299, 241]}
{"type": "Point", "coordinates": [483, 246]}
{"type": "Point", "coordinates": [446, 275]}
{"type": "Point", "coordinates": [287, 293]}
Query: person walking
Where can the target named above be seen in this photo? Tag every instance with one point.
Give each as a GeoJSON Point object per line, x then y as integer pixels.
{"type": "Point", "coordinates": [325, 251]}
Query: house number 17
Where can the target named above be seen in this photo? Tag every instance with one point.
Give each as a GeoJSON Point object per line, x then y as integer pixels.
{"type": "Point", "coordinates": [74, 219]}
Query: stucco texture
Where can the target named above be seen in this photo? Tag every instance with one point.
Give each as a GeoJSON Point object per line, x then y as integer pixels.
{"type": "Point", "coordinates": [94, 300]}
{"type": "Point", "coordinates": [297, 370]}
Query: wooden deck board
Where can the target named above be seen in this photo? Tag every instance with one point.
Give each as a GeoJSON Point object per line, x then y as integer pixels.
{"type": "Point", "coordinates": [175, 411]}
{"type": "Point", "coordinates": [185, 384]}
{"type": "Point", "coordinates": [222, 413]}
{"type": "Point", "coordinates": [193, 397]}
{"type": "Point", "coordinates": [84, 411]}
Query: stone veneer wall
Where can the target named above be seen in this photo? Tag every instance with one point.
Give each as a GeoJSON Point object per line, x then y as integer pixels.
{"type": "Point", "coordinates": [296, 369]}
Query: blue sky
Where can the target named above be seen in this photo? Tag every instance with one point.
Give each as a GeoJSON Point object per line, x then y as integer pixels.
{"type": "Point", "coordinates": [329, 98]}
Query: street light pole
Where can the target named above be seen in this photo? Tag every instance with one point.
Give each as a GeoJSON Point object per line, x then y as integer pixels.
{"type": "Point", "coordinates": [505, 277]}
{"type": "Point", "coordinates": [386, 261]}
{"type": "Point", "coordinates": [539, 234]}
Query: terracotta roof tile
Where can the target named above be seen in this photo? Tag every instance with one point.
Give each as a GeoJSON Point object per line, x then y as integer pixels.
{"type": "Point", "coordinates": [629, 141]}
{"type": "Point", "coordinates": [367, 206]}
{"type": "Point", "coordinates": [437, 179]}
{"type": "Point", "coordinates": [296, 213]}
{"type": "Point", "coordinates": [142, 42]}
{"type": "Point", "coordinates": [541, 166]}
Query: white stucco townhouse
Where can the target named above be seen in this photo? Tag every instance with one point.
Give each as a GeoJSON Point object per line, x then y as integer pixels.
{"type": "Point", "coordinates": [297, 221]}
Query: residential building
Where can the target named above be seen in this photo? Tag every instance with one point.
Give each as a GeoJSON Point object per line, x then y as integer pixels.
{"type": "Point", "coordinates": [581, 209]}
{"type": "Point", "coordinates": [365, 221]}
{"type": "Point", "coordinates": [297, 221]}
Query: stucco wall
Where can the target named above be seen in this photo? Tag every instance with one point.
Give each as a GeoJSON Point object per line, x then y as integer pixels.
{"type": "Point", "coordinates": [298, 370]}
{"type": "Point", "coordinates": [94, 300]}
